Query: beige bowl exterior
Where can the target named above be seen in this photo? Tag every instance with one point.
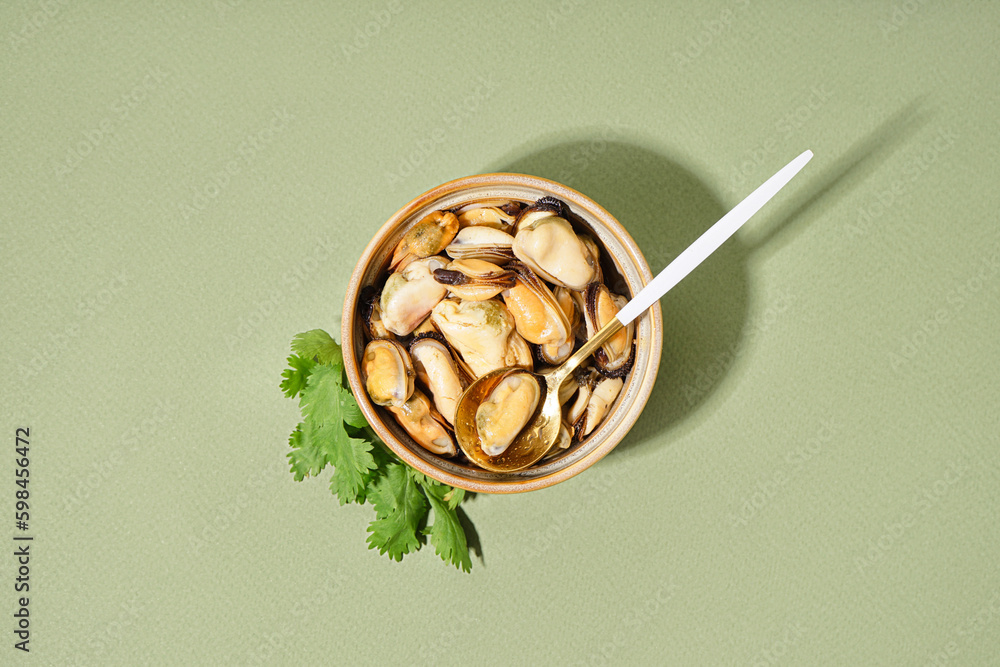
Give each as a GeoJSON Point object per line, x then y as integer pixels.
{"type": "Point", "coordinates": [617, 245]}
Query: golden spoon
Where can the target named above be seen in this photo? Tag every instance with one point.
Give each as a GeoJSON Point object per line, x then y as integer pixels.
{"type": "Point", "coordinates": [538, 436]}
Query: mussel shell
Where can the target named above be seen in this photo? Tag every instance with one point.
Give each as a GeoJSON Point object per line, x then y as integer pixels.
{"type": "Point", "coordinates": [474, 279]}
{"type": "Point", "coordinates": [595, 254]}
{"type": "Point", "coordinates": [482, 335]}
{"type": "Point", "coordinates": [428, 237]}
{"type": "Point", "coordinates": [409, 295]}
{"type": "Point", "coordinates": [388, 372]}
{"type": "Point", "coordinates": [549, 245]}
{"type": "Point", "coordinates": [537, 315]}
{"type": "Point", "coordinates": [495, 213]}
{"type": "Point", "coordinates": [486, 243]}
{"type": "Point", "coordinates": [424, 424]}
{"type": "Point", "coordinates": [542, 208]}
{"type": "Point", "coordinates": [554, 354]}
{"type": "Point", "coordinates": [437, 370]}
{"type": "Point", "coordinates": [614, 359]}
{"type": "Point", "coordinates": [599, 397]}
{"type": "Point", "coordinates": [371, 314]}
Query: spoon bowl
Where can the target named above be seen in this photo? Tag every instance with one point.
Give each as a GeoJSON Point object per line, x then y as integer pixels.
{"type": "Point", "coordinates": [535, 440]}
{"type": "Point", "coordinates": [521, 453]}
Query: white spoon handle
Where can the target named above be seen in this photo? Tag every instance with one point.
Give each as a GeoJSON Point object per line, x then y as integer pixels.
{"type": "Point", "coordinates": [710, 241]}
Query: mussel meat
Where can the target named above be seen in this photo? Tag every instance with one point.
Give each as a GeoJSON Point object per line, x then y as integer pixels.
{"type": "Point", "coordinates": [428, 237]}
{"type": "Point", "coordinates": [388, 372]}
{"type": "Point", "coordinates": [506, 411]}
{"type": "Point", "coordinates": [410, 294]}
{"type": "Point", "coordinates": [424, 424]}
{"type": "Point", "coordinates": [482, 332]}
{"type": "Point", "coordinates": [436, 369]}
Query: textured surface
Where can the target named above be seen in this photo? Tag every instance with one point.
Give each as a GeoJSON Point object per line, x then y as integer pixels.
{"type": "Point", "coordinates": [815, 481]}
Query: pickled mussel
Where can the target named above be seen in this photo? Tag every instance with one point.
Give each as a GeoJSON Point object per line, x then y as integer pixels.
{"type": "Point", "coordinates": [506, 411]}
{"type": "Point", "coordinates": [388, 372]}
{"type": "Point", "coordinates": [437, 370]}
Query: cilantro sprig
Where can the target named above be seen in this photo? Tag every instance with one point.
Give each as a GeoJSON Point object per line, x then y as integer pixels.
{"type": "Point", "coordinates": [334, 432]}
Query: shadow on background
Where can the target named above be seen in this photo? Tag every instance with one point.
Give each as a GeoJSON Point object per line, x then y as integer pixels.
{"type": "Point", "coordinates": [665, 207]}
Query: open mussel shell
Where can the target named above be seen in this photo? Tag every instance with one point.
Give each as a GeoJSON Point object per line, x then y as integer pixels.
{"type": "Point", "coordinates": [409, 295]}
{"type": "Point", "coordinates": [537, 315]}
{"type": "Point", "coordinates": [437, 371]}
{"type": "Point", "coordinates": [482, 333]}
{"type": "Point", "coordinates": [474, 279]}
{"type": "Point", "coordinates": [563, 441]}
{"type": "Point", "coordinates": [371, 314]}
{"type": "Point", "coordinates": [424, 424]}
{"type": "Point", "coordinates": [614, 358]}
{"type": "Point", "coordinates": [426, 238]}
{"type": "Point", "coordinates": [543, 207]}
{"type": "Point", "coordinates": [485, 243]}
{"type": "Point", "coordinates": [388, 372]}
{"type": "Point", "coordinates": [548, 244]}
{"type": "Point", "coordinates": [496, 213]}
{"type": "Point", "coordinates": [594, 400]}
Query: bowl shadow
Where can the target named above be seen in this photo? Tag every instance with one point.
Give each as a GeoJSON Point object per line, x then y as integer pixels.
{"type": "Point", "coordinates": [665, 207]}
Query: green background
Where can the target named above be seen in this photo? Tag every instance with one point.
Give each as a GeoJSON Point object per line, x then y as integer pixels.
{"type": "Point", "coordinates": [185, 186]}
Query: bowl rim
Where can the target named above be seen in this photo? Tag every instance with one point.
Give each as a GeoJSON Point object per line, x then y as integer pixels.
{"type": "Point", "coordinates": [353, 371]}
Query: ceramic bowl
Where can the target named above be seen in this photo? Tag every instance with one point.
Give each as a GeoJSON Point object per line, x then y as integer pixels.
{"type": "Point", "coordinates": [625, 271]}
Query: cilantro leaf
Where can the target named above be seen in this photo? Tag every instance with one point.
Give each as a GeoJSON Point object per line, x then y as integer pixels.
{"type": "Point", "coordinates": [322, 404]}
{"type": "Point", "coordinates": [305, 458]}
{"type": "Point", "coordinates": [454, 498]}
{"type": "Point", "coordinates": [353, 468]}
{"type": "Point", "coordinates": [335, 432]}
{"type": "Point", "coordinates": [320, 400]}
{"type": "Point", "coordinates": [447, 534]}
{"type": "Point", "coordinates": [317, 344]}
{"type": "Point", "coordinates": [296, 375]}
{"type": "Point", "coordinates": [350, 410]}
{"type": "Point", "coordinates": [399, 508]}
